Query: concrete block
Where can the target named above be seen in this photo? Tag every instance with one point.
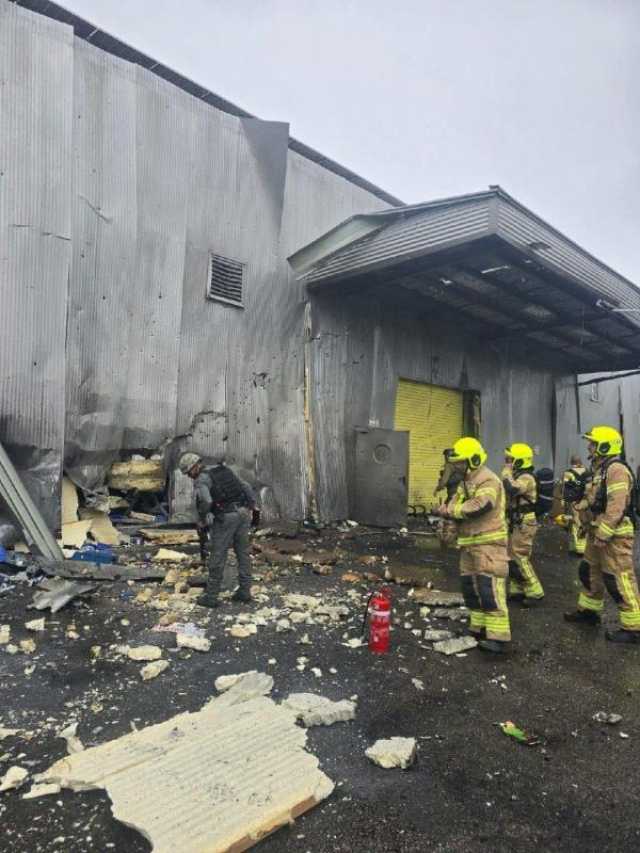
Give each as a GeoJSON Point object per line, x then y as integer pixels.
{"type": "Point", "coordinates": [393, 752]}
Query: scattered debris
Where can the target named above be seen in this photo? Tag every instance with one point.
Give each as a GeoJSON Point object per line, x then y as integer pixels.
{"type": "Point", "coordinates": [8, 732]}
{"type": "Point", "coordinates": [436, 635]}
{"type": "Point", "coordinates": [316, 671]}
{"type": "Point", "coordinates": [437, 597]}
{"type": "Point", "coordinates": [139, 475]}
{"type": "Point", "coordinates": [393, 752]}
{"type": "Point", "coordinates": [624, 735]}
{"type": "Point", "coordinates": [453, 647]}
{"type": "Point", "coordinates": [70, 734]}
{"type": "Point", "coordinates": [144, 653]}
{"type": "Point", "coordinates": [351, 577]}
{"type": "Point", "coordinates": [312, 710]}
{"type": "Point", "coordinates": [518, 734]}
{"type": "Point", "coordinates": [198, 644]}
{"type": "Point", "coordinates": [245, 748]}
{"type": "Point", "coordinates": [611, 719]}
{"type": "Point", "coordinates": [166, 555]}
{"type": "Point", "coordinates": [354, 643]}
{"type": "Point", "coordinates": [35, 625]}
{"type": "Point", "coordinates": [41, 791]}
{"type": "Point", "coordinates": [13, 778]}
{"type": "Point", "coordinates": [5, 634]}
{"type": "Point", "coordinates": [28, 646]}
{"type": "Point", "coordinates": [243, 631]}
{"type": "Point", "coordinates": [74, 534]}
{"type": "Point", "coordinates": [153, 669]}
{"type": "Point", "coordinates": [55, 593]}
{"type": "Point", "coordinates": [226, 682]}
{"type": "Point", "coordinates": [171, 537]}
{"type": "Point", "coordinates": [418, 683]}
{"type": "Point", "coordinates": [459, 614]}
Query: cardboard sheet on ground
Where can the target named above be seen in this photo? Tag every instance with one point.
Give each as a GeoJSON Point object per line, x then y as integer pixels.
{"type": "Point", "coordinates": [102, 530]}
{"type": "Point", "coordinates": [216, 780]}
{"type": "Point", "coordinates": [74, 534]}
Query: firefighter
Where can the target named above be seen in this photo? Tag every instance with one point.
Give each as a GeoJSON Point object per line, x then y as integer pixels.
{"type": "Point", "coordinates": [478, 508]}
{"type": "Point", "coordinates": [572, 479]}
{"type": "Point", "coordinates": [522, 493]}
{"type": "Point", "coordinates": [227, 507]}
{"type": "Point", "coordinates": [606, 512]}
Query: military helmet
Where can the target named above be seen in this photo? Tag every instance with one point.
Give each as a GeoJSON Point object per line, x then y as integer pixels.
{"type": "Point", "coordinates": [188, 461]}
{"type": "Point", "coordinates": [521, 454]}
{"type": "Point", "coordinates": [607, 440]}
{"type": "Point", "coordinates": [468, 450]}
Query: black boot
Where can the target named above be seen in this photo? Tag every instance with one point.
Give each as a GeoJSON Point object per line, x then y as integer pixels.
{"type": "Point", "coordinates": [207, 600]}
{"type": "Point", "coordinates": [589, 617]}
{"type": "Point", "coordinates": [516, 596]}
{"type": "Point", "coordinates": [242, 595]}
{"type": "Point", "coordinates": [623, 636]}
{"type": "Point", "coordinates": [532, 602]}
{"type": "Point", "coordinates": [496, 646]}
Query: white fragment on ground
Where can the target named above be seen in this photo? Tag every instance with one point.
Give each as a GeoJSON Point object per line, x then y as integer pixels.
{"type": "Point", "coordinates": [226, 682]}
{"type": "Point", "coordinates": [304, 640]}
{"type": "Point", "coordinates": [393, 752]}
{"type": "Point", "coordinates": [294, 601]}
{"type": "Point", "coordinates": [454, 647]}
{"type": "Point", "coordinates": [13, 778]}
{"type": "Point", "coordinates": [418, 683]}
{"type": "Point", "coordinates": [35, 625]}
{"type": "Point", "coordinates": [218, 779]}
{"type": "Point", "coordinates": [28, 646]}
{"type": "Point", "coordinates": [70, 734]}
{"type": "Point", "coordinates": [166, 554]}
{"type": "Point", "coordinates": [354, 643]}
{"type": "Point", "coordinates": [153, 669]}
{"type": "Point", "coordinates": [611, 719]}
{"type": "Point", "coordinates": [437, 597]}
{"type": "Point", "coordinates": [283, 625]}
{"type": "Point", "coordinates": [144, 653]}
{"type": "Point", "coordinates": [243, 631]}
{"type": "Point", "coordinates": [198, 644]}
{"type": "Point", "coordinates": [316, 671]}
{"type": "Point", "coordinates": [436, 635]}
{"type": "Point", "coordinates": [12, 649]}
{"type": "Point", "coordinates": [624, 735]}
{"type": "Point", "coordinates": [8, 732]}
{"type": "Point", "coordinates": [5, 634]}
{"type": "Point", "coordinates": [41, 791]}
{"type": "Point", "coordinates": [314, 710]}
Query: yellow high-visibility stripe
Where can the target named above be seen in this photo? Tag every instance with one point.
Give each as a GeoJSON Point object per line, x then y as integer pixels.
{"type": "Point", "coordinates": [483, 538]}
{"type": "Point", "coordinates": [486, 490]}
{"type": "Point", "coordinates": [617, 487]}
{"type": "Point", "coordinates": [631, 597]}
{"type": "Point", "coordinates": [585, 602]}
{"type": "Point", "coordinates": [529, 517]}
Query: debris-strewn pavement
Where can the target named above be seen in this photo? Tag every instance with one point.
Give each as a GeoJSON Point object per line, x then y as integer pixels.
{"type": "Point", "coordinates": [471, 788]}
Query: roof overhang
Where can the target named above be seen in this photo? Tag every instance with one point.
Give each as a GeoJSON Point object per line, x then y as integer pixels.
{"type": "Point", "coordinates": [492, 267]}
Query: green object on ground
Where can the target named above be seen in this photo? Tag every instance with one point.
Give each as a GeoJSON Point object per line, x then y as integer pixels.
{"type": "Point", "coordinates": [520, 735]}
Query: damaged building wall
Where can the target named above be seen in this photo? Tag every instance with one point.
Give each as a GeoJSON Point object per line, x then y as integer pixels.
{"type": "Point", "coordinates": [131, 182]}
{"type": "Point", "coordinates": [362, 345]}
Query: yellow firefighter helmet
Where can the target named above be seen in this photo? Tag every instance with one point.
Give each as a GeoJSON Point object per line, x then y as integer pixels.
{"type": "Point", "coordinates": [607, 440]}
{"type": "Point", "coordinates": [521, 454]}
{"type": "Point", "coordinates": [468, 450]}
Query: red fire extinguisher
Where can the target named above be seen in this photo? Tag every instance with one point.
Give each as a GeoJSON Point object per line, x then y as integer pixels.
{"type": "Point", "coordinates": [379, 612]}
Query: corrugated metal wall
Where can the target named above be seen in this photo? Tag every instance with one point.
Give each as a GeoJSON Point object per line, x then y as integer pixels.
{"type": "Point", "coordinates": [116, 186]}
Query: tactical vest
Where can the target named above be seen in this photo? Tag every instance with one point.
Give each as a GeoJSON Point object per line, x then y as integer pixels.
{"type": "Point", "coordinates": [225, 487]}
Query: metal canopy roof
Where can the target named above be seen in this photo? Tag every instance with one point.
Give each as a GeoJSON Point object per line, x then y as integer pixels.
{"type": "Point", "coordinates": [87, 31]}
{"type": "Point", "coordinates": [499, 272]}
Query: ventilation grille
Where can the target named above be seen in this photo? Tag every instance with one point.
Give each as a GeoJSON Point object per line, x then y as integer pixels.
{"type": "Point", "coordinates": [225, 279]}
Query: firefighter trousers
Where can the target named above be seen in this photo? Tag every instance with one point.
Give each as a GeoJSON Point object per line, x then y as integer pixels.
{"type": "Point", "coordinates": [522, 575]}
{"type": "Point", "coordinates": [577, 539]}
{"type": "Point", "coordinates": [483, 573]}
{"type": "Point", "coordinates": [610, 567]}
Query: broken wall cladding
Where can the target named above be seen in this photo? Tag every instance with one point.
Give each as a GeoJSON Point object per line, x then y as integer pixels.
{"type": "Point", "coordinates": [35, 247]}
{"type": "Point", "coordinates": [360, 350]}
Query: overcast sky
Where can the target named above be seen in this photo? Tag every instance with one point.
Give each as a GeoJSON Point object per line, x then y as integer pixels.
{"type": "Point", "coordinates": [430, 98]}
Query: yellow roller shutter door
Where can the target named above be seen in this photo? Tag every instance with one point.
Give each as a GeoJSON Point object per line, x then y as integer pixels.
{"type": "Point", "coordinates": [433, 417]}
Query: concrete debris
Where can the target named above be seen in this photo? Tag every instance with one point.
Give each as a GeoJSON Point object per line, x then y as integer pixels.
{"type": "Point", "coordinates": [35, 625]}
{"type": "Point", "coordinates": [436, 635]}
{"type": "Point", "coordinates": [74, 534]}
{"type": "Point", "coordinates": [248, 751]}
{"type": "Point", "coordinates": [351, 577]}
{"type": "Point", "coordinates": [624, 735]}
{"type": "Point", "coordinates": [13, 778]}
{"type": "Point", "coordinates": [459, 614]}
{"type": "Point", "coordinates": [70, 734]}
{"type": "Point", "coordinates": [41, 791]}
{"type": "Point", "coordinates": [243, 631]}
{"type": "Point", "coordinates": [610, 719]}
{"type": "Point", "coordinates": [453, 647]}
{"type": "Point", "coordinates": [294, 601]}
{"type": "Point", "coordinates": [5, 634]}
{"type": "Point", "coordinates": [102, 530]}
{"type": "Point", "coordinates": [73, 569]}
{"type": "Point", "coordinates": [28, 646]}
{"type": "Point", "coordinates": [198, 644]}
{"type": "Point", "coordinates": [437, 597]}
{"type": "Point", "coordinates": [354, 643]}
{"type": "Point", "coordinates": [8, 732]}
{"type": "Point", "coordinates": [226, 682]}
{"type": "Point", "coordinates": [170, 537]}
{"type": "Point", "coordinates": [11, 649]}
{"type": "Point", "coordinates": [304, 640]}
{"type": "Point", "coordinates": [312, 710]}
{"type": "Point", "coordinates": [283, 625]}
{"type": "Point", "coordinates": [144, 653]}
{"type": "Point", "coordinates": [418, 683]}
{"type": "Point", "coordinates": [169, 556]}
{"type": "Point", "coordinates": [316, 671]}
{"type": "Point", "coordinates": [425, 611]}
{"type": "Point", "coordinates": [393, 752]}
{"type": "Point", "coordinates": [55, 594]}
{"type": "Point", "coordinates": [153, 669]}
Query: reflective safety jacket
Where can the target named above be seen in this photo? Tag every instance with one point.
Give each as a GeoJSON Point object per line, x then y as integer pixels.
{"type": "Point", "coordinates": [479, 508]}
{"type": "Point", "coordinates": [615, 520]}
{"type": "Point", "coordinates": [522, 493]}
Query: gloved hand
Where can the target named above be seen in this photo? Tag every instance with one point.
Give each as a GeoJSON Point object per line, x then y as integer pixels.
{"type": "Point", "coordinates": [255, 517]}
{"type": "Point", "coordinates": [210, 518]}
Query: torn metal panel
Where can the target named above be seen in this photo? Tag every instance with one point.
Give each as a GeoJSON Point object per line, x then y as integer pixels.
{"type": "Point", "coordinates": [217, 780]}
{"type": "Point", "coordinates": [23, 508]}
{"type": "Point", "coordinates": [55, 594]}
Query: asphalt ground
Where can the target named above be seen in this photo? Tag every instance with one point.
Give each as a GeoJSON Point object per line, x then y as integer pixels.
{"type": "Point", "coordinates": [472, 788]}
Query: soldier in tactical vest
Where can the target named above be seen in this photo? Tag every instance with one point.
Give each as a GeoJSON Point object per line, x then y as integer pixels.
{"type": "Point", "coordinates": [227, 506]}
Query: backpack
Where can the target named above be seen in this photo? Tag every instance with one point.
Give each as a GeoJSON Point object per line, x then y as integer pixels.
{"type": "Point", "coordinates": [545, 484]}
